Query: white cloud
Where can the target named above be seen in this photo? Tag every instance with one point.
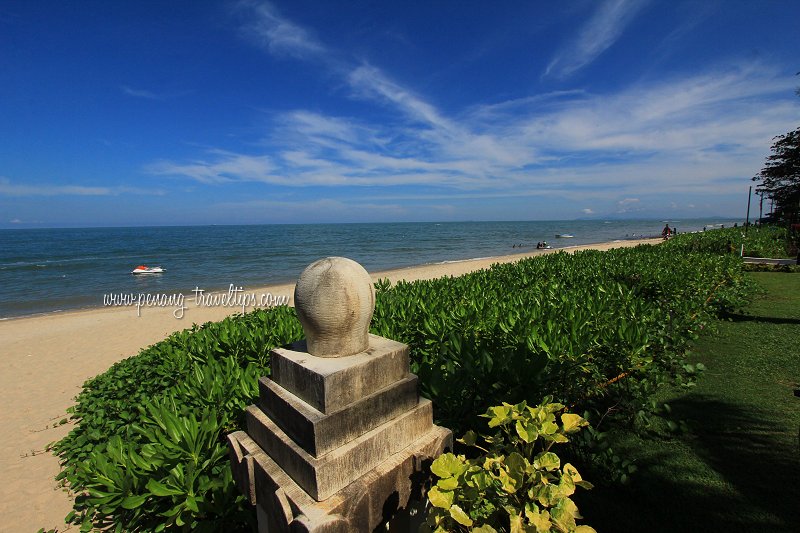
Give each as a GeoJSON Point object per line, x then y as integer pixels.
{"type": "Point", "coordinates": [141, 93]}
{"type": "Point", "coordinates": [267, 28]}
{"type": "Point", "coordinates": [595, 37]}
{"type": "Point", "coordinates": [701, 134]}
{"type": "Point", "coordinates": [587, 211]}
{"type": "Point", "coordinates": [224, 168]}
{"type": "Point", "coordinates": [7, 188]}
{"type": "Point", "coordinates": [677, 134]}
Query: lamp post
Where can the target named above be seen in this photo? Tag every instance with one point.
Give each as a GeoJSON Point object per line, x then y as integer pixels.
{"type": "Point", "coordinates": [747, 221]}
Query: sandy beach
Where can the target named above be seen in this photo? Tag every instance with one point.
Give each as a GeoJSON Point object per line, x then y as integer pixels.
{"type": "Point", "coordinates": [47, 358]}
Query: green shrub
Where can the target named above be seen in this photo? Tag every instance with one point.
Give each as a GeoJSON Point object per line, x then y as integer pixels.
{"type": "Point", "coordinates": [516, 484]}
{"type": "Point", "coordinates": [148, 452]}
{"type": "Point", "coordinates": [560, 325]}
{"type": "Point", "coordinates": [758, 241]}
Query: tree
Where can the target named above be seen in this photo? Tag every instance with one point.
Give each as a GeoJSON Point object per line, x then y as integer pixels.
{"type": "Point", "coordinates": [780, 177]}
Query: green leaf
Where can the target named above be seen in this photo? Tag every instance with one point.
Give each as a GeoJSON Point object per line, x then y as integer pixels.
{"type": "Point", "coordinates": [191, 504]}
{"type": "Point", "coordinates": [470, 438]}
{"type": "Point", "coordinates": [516, 465]}
{"type": "Point", "coordinates": [132, 502]}
{"type": "Point", "coordinates": [159, 489]}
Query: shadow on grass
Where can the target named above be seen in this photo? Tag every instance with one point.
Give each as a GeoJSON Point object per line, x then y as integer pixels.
{"type": "Point", "coordinates": [734, 317]}
{"type": "Point", "coordinates": [737, 472]}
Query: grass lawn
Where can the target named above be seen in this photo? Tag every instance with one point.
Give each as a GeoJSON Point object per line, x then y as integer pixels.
{"type": "Point", "coordinates": [738, 468]}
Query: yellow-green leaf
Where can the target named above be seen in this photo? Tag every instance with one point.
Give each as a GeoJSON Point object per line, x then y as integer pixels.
{"type": "Point", "coordinates": [566, 486]}
{"type": "Point", "coordinates": [517, 525]}
{"type": "Point", "coordinates": [548, 428]}
{"type": "Point", "coordinates": [460, 516]}
{"type": "Point", "coordinates": [448, 465]}
{"type": "Point", "coordinates": [539, 520]}
{"type": "Point", "coordinates": [547, 461]}
{"type": "Point", "coordinates": [441, 498]}
{"type": "Point", "coordinates": [572, 422]}
{"type": "Point", "coordinates": [526, 431]}
{"type": "Point", "coordinates": [563, 514]}
{"type": "Point", "coordinates": [510, 484]}
{"type": "Point", "coordinates": [449, 483]}
{"type": "Point", "coordinates": [572, 471]}
{"type": "Point", "coordinates": [498, 414]}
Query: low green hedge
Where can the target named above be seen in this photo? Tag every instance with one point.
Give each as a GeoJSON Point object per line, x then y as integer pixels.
{"type": "Point", "coordinates": [758, 241]}
{"type": "Point", "coordinates": [591, 329]}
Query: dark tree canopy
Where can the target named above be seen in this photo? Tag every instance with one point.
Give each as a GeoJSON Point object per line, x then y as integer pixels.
{"type": "Point", "coordinates": [780, 177]}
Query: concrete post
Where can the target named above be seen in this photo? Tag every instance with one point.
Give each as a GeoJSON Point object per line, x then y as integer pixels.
{"type": "Point", "coordinates": [339, 438]}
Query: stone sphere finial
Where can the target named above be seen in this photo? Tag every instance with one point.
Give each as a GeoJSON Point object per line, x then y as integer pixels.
{"type": "Point", "coordinates": [334, 299]}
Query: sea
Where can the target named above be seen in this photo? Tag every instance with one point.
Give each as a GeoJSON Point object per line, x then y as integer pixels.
{"type": "Point", "coordinates": [53, 270]}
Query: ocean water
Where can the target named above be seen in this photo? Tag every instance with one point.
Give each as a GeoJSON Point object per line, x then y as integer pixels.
{"type": "Point", "coordinates": [47, 270]}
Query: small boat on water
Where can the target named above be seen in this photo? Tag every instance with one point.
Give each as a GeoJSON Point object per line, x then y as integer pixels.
{"type": "Point", "coordinates": [564, 236]}
{"type": "Point", "coordinates": [144, 269]}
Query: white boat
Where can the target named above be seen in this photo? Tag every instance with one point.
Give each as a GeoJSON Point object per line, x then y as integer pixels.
{"type": "Point", "coordinates": [564, 236]}
{"type": "Point", "coordinates": [144, 269]}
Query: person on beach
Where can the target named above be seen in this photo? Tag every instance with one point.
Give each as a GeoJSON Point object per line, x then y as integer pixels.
{"type": "Point", "coordinates": [666, 232]}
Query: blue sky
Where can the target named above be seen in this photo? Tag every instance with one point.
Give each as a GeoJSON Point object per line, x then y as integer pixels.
{"type": "Point", "coordinates": [200, 112]}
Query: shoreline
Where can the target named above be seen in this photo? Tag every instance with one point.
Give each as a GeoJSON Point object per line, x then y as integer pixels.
{"type": "Point", "coordinates": [48, 357]}
{"type": "Point", "coordinates": [531, 252]}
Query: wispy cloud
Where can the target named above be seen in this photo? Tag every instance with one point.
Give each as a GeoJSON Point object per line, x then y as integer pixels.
{"type": "Point", "coordinates": [595, 37]}
{"type": "Point", "coordinates": [278, 35]}
{"type": "Point", "coordinates": [8, 188]}
{"type": "Point", "coordinates": [698, 133]}
{"type": "Point", "coordinates": [141, 93]}
{"type": "Point", "coordinates": [223, 167]}
{"type": "Point", "coordinates": [675, 131]}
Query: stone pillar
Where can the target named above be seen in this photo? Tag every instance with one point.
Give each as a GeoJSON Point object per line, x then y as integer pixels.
{"type": "Point", "coordinates": [339, 437]}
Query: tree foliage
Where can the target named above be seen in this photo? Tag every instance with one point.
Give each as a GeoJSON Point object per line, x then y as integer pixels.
{"type": "Point", "coordinates": [780, 177]}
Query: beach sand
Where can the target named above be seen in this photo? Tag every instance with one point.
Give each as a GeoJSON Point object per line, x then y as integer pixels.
{"type": "Point", "coordinates": [47, 358]}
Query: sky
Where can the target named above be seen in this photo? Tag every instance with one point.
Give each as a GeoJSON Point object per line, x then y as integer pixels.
{"type": "Point", "coordinates": [186, 112]}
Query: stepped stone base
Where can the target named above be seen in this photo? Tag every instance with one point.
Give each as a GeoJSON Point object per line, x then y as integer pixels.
{"type": "Point", "coordinates": [331, 383]}
{"type": "Point", "coordinates": [322, 476]}
{"type": "Point", "coordinates": [335, 443]}
{"type": "Point", "coordinates": [318, 433]}
{"type": "Point", "coordinates": [283, 506]}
